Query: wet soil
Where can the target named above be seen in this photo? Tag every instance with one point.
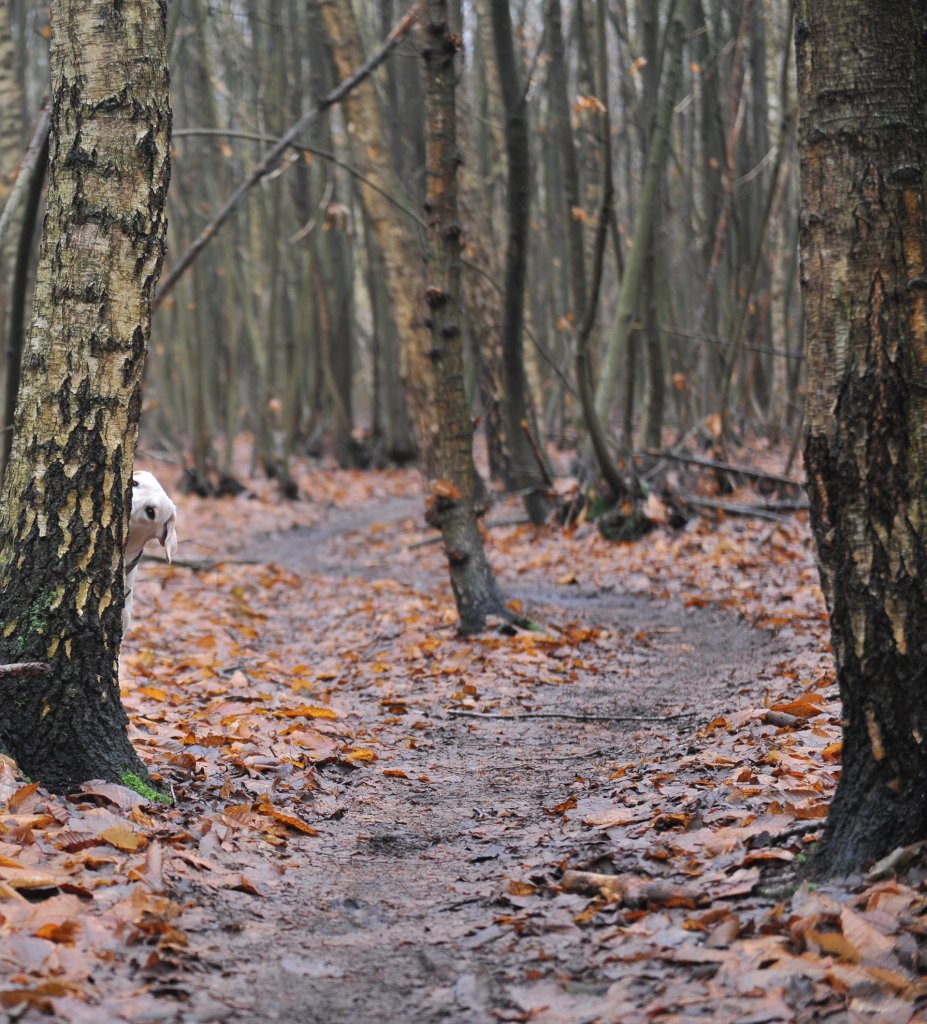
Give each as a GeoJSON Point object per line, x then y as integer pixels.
{"type": "Point", "coordinates": [402, 909]}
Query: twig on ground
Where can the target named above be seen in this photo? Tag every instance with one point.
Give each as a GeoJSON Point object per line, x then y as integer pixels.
{"type": "Point", "coordinates": [460, 713]}
{"type": "Point", "coordinates": [25, 668]}
{"type": "Point", "coordinates": [801, 829]}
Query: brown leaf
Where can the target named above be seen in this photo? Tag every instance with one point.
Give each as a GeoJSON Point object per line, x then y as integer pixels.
{"type": "Point", "coordinates": [21, 796]}
{"type": "Point", "coordinates": [123, 797]}
{"type": "Point", "coordinates": [29, 878]}
{"type": "Point", "coordinates": [723, 933]}
{"type": "Point", "coordinates": [268, 809]}
{"type": "Point", "coordinates": [870, 944]}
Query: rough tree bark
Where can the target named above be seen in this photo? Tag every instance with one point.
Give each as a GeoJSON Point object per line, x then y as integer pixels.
{"type": "Point", "coordinates": [863, 143]}
{"type": "Point", "coordinates": [529, 475]}
{"type": "Point", "coordinates": [67, 491]}
{"type": "Point", "coordinates": [454, 495]}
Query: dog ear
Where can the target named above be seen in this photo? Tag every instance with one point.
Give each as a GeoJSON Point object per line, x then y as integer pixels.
{"type": "Point", "coordinates": [169, 538]}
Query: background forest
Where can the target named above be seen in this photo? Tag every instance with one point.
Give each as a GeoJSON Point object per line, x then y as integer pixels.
{"type": "Point", "coordinates": [283, 330]}
{"type": "Point", "coordinates": [673, 780]}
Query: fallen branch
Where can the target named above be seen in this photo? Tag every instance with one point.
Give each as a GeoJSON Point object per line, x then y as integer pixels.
{"type": "Point", "coordinates": [460, 713]}
{"type": "Point", "coordinates": [757, 511]}
{"type": "Point", "coordinates": [200, 564]}
{"type": "Point", "coordinates": [272, 156]}
{"type": "Point", "coordinates": [697, 460]}
{"type": "Point", "coordinates": [25, 668]}
{"type": "Point", "coordinates": [802, 829]}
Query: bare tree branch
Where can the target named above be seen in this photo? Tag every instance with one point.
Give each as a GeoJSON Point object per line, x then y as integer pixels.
{"type": "Point", "coordinates": [270, 159]}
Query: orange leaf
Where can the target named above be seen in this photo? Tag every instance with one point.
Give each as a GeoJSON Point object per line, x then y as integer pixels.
{"type": "Point", "coordinates": [63, 932]}
{"type": "Point", "coordinates": [123, 837]}
{"type": "Point", "coordinates": [832, 751]}
{"type": "Point", "coordinates": [153, 691]}
{"type": "Point", "coordinates": [444, 489]}
{"type": "Point", "coordinates": [360, 754]}
{"type": "Point", "coordinates": [516, 888]}
{"type": "Point", "coordinates": [806, 706]}
{"type": "Point", "coordinates": [308, 711]}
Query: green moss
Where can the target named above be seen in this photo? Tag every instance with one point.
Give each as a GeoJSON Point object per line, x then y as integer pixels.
{"type": "Point", "coordinates": [134, 782]}
{"type": "Point", "coordinates": [598, 505]}
{"type": "Point", "coordinates": [37, 613]}
{"type": "Point", "coordinates": [34, 622]}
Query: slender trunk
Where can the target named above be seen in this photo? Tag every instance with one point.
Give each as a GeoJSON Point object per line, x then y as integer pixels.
{"type": "Point", "coordinates": [453, 498]}
{"type": "Point", "coordinates": [16, 329]}
{"type": "Point", "coordinates": [647, 210]}
{"type": "Point", "coordinates": [529, 473]}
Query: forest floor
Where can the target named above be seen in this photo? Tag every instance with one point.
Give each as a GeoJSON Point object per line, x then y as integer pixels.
{"type": "Point", "coordinates": [600, 821]}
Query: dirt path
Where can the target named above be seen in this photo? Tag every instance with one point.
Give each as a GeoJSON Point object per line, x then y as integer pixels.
{"type": "Point", "coordinates": [422, 898]}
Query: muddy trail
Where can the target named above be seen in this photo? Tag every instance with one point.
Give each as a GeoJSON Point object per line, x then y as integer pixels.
{"type": "Point", "coordinates": [429, 893]}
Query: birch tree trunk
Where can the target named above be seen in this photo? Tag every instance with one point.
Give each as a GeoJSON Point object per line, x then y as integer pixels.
{"type": "Point", "coordinates": [863, 142]}
{"type": "Point", "coordinates": [67, 492]}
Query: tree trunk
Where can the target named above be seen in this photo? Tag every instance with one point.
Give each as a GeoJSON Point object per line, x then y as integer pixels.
{"type": "Point", "coordinates": [453, 498]}
{"type": "Point", "coordinates": [863, 138]}
{"type": "Point", "coordinates": [528, 473]}
{"type": "Point", "coordinates": [393, 233]}
{"type": "Point", "coordinates": [22, 268]}
{"type": "Point", "coordinates": [67, 492]}
{"type": "Point", "coordinates": [647, 213]}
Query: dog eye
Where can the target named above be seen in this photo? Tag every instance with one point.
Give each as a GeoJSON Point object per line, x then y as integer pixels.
{"type": "Point", "coordinates": [150, 511]}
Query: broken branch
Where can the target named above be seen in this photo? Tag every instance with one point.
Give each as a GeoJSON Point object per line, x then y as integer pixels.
{"type": "Point", "coordinates": [775, 513]}
{"type": "Point", "coordinates": [25, 668]}
{"type": "Point", "coordinates": [697, 460]}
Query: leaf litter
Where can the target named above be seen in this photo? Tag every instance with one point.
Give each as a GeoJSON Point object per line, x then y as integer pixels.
{"type": "Point", "coordinates": [340, 847]}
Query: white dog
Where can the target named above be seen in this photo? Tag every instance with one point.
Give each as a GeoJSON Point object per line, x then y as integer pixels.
{"type": "Point", "coordinates": [153, 517]}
